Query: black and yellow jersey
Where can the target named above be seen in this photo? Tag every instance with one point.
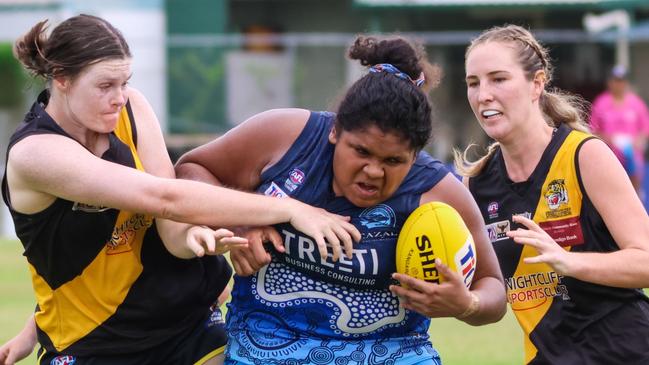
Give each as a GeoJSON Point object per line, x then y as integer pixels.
{"type": "Point", "coordinates": [104, 282]}
{"type": "Point", "coordinates": [565, 320]}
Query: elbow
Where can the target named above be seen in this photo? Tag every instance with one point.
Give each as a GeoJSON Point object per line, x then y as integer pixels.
{"type": "Point", "coordinates": [165, 200]}
{"type": "Point", "coordinates": [499, 312]}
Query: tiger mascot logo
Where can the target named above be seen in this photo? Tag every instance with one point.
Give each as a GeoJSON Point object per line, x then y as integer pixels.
{"type": "Point", "coordinates": [556, 194]}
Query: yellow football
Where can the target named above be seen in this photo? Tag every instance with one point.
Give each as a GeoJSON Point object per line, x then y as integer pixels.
{"type": "Point", "coordinates": [435, 230]}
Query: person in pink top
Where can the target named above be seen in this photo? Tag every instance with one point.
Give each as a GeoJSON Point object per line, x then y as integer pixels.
{"type": "Point", "coordinates": [620, 117]}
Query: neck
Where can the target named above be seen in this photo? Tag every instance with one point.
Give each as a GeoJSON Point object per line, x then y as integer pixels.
{"type": "Point", "coordinates": [618, 97]}
{"type": "Point", "coordinates": [523, 152]}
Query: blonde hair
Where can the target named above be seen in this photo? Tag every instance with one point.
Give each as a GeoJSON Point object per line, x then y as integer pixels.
{"type": "Point", "coordinates": [558, 107]}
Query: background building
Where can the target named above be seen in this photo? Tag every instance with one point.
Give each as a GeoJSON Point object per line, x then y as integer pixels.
{"type": "Point", "coordinates": [206, 65]}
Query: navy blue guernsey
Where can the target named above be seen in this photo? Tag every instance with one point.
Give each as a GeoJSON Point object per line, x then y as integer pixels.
{"type": "Point", "coordinates": [303, 309]}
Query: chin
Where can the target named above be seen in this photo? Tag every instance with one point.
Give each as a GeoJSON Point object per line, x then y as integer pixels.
{"type": "Point", "coordinates": [496, 133]}
{"type": "Point", "coordinates": [365, 203]}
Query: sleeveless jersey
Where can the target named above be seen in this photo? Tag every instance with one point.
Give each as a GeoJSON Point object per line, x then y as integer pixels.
{"type": "Point", "coordinates": [103, 280]}
{"type": "Point", "coordinates": [303, 309]}
{"type": "Point", "coordinates": [565, 320]}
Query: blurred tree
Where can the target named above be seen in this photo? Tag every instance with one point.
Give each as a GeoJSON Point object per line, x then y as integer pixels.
{"type": "Point", "coordinates": [12, 78]}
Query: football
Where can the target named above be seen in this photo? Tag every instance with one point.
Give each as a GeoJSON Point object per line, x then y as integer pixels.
{"type": "Point", "coordinates": [435, 230]}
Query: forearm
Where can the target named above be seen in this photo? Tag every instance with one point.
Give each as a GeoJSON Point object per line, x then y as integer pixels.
{"type": "Point", "coordinates": [202, 204]}
{"type": "Point", "coordinates": [174, 237]}
{"type": "Point", "coordinates": [493, 305]}
{"type": "Point", "coordinates": [626, 268]}
{"type": "Point", "coordinates": [196, 172]}
{"type": "Point", "coordinates": [29, 331]}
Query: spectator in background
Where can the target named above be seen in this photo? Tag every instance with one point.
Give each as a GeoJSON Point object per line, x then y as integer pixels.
{"type": "Point", "coordinates": [620, 117]}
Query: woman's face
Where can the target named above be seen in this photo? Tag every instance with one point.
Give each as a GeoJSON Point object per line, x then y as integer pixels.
{"type": "Point", "coordinates": [369, 164]}
{"type": "Point", "coordinates": [96, 96]}
{"type": "Point", "coordinates": [500, 95]}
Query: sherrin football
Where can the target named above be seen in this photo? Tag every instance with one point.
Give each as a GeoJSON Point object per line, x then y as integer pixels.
{"type": "Point", "coordinates": [435, 230]}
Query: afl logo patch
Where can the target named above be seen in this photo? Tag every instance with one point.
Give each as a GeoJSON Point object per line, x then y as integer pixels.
{"type": "Point", "coordinates": [492, 209]}
{"type": "Point", "coordinates": [63, 360]}
{"type": "Point", "coordinates": [295, 179]}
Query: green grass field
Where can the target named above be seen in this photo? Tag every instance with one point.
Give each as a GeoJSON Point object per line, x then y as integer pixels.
{"type": "Point", "coordinates": [458, 343]}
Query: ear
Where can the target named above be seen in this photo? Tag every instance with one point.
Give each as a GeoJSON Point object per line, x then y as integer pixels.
{"type": "Point", "coordinates": [61, 83]}
{"type": "Point", "coordinates": [538, 84]}
{"type": "Point", "coordinates": [333, 136]}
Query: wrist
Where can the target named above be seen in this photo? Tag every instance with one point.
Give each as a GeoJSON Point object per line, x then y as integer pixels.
{"type": "Point", "coordinates": [288, 209]}
{"type": "Point", "coordinates": [473, 308]}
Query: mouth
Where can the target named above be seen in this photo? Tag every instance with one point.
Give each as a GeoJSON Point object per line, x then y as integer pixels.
{"type": "Point", "coordinates": [490, 114]}
{"type": "Point", "coordinates": [114, 114]}
{"type": "Point", "coordinates": [367, 190]}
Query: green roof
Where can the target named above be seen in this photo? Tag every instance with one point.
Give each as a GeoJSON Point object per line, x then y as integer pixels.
{"type": "Point", "coordinates": [584, 4]}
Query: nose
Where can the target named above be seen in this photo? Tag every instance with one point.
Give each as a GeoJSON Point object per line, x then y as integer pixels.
{"type": "Point", "coordinates": [119, 97]}
{"type": "Point", "coordinates": [484, 93]}
{"type": "Point", "coordinates": [373, 170]}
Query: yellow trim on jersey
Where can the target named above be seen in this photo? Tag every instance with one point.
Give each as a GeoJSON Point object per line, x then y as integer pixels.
{"type": "Point", "coordinates": [537, 285]}
{"type": "Point", "coordinates": [40, 358]}
{"type": "Point", "coordinates": [70, 312]}
{"type": "Point", "coordinates": [210, 355]}
{"type": "Point", "coordinates": [124, 132]}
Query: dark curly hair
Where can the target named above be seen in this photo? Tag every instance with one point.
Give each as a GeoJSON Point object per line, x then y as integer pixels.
{"type": "Point", "coordinates": [392, 104]}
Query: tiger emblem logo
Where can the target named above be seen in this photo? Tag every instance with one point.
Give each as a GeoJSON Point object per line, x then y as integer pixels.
{"type": "Point", "coordinates": [556, 194]}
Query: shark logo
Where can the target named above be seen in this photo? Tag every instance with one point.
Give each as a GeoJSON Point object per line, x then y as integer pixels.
{"type": "Point", "coordinates": [380, 216]}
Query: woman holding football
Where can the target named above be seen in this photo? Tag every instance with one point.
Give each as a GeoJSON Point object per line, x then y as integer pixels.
{"type": "Point", "coordinates": [571, 235]}
{"type": "Point", "coordinates": [291, 304]}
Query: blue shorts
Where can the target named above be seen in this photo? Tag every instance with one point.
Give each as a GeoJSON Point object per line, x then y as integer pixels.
{"type": "Point", "coordinates": [311, 351]}
{"type": "Point", "coordinates": [207, 340]}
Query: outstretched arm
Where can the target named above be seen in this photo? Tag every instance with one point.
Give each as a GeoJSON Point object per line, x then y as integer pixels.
{"type": "Point", "coordinates": [238, 158]}
{"type": "Point", "coordinates": [43, 167]}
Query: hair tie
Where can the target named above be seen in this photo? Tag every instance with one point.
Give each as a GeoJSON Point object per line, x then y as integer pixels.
{"type": "Point", "coordinates": [389, 68]}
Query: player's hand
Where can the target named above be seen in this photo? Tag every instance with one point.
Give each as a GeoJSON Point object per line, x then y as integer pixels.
{"type": "Point", "coordinates": [248, 260]}
{"type": "Point", "coordinates": [326, 229]}
{"type": "Point", "coordinates": [549, 251]}
{"type": "Point", "coordinates": [448, 299]}
{"type": "Point", "coordinates": [17, 348]}
{"type": "Point", "coordinates": [203, 240]}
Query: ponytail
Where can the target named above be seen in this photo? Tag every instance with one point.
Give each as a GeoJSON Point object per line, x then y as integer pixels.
{"type": "Point", "coordinates": [467, 168]}
{"type": "Point", "coordinates": [28, 49]}
{"type": "Point", "coordinates": [560, 107]}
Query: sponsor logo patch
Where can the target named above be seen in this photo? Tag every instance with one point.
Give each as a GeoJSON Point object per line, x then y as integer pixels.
{"type": "Point", "coordinates": [215, 318]}
{"type": "Point", "coordinates": [465, 262]}
{"type": "Point", "coordinates": [88, 208]}
{"type": "Point", "coordinates": [124, 234]}
{"type": "Point", "coordinates": [529, 291]}
{"type": "Point", "coordinates": [497, 231]}
{"type": "Point", "coordinates": [275, 191]}
{"type": "Point", "coordinates": [566, 232]}
{"type": "Point", "coordinates": [380, 216]}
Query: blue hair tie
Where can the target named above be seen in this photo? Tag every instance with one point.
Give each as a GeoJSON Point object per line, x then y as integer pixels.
{"type": "Point", "coordinates": [389, 68]}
